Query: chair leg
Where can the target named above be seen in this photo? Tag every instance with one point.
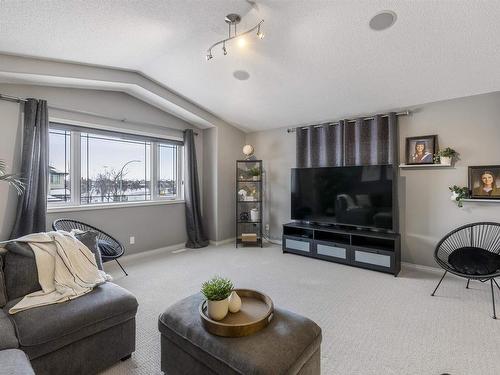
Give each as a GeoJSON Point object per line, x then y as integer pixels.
{"type": "Point", "coordinates": [498, 286]}
{"type": "Point", "coordinates": [123, 269]}
{"type": "Point", "coordinates": [468, 281]}
{"type": "Point", "coordinates": [444, 274]}
{"type": "Point", "coordinates": [493, 299]}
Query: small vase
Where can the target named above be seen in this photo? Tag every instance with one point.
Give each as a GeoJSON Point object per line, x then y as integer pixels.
{"type": "Point", "coordinates": [217, 310]}
{"type": "Point", "coordinates": [445, 160]}
{"type": "Point", "coordinates": [234, 302]}
{"type": "Point", "coordinates": [255, 178]}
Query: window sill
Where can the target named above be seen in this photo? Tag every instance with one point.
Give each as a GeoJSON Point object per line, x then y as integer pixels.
{"type": "Point", "coordinates": [90, 207]}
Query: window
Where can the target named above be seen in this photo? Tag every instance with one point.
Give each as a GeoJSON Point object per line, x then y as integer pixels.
{"type": "Point", "coordinates": [111, 167]}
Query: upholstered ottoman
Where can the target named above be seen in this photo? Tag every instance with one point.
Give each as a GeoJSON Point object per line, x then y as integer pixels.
{"type": "Point", "coordinates": [290, 344]}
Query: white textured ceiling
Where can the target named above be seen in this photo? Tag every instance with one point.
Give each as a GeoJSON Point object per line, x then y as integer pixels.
{"type": "Point", "coordinates": [319, 60]}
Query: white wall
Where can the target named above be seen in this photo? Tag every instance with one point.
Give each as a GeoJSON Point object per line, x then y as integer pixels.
{"type": "Point", "coordinates": [469, 125]}
{"type": "Point", "coordinates": [152, 226]}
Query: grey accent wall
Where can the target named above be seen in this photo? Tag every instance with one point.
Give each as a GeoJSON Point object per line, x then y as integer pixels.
{"type": "Point", "coordinates": [469, 125]}
{"type": "Point", "coordinates": [209, 192]}
{"type": "Point", "coordinates": [152, 226]}
{"type": "Point", "coordinates": [222, 147]}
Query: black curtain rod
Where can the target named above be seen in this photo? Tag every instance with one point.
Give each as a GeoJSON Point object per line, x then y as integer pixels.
{"type": "Point", "coordinates": [16, 99]}
{"type": "Point", "coordinates": [292, 130]}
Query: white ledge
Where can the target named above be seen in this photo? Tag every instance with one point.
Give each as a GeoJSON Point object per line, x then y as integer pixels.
{"type": "Point", "coordinates": [423, 166]}
{"type": "Point", "coordinates": [106, 206]}
{"type": "Point", "coordinates": [479, 200]}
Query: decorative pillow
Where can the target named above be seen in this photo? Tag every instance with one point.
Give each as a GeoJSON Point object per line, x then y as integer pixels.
{"type": "Point", "coordinates": [89, 239]}
{"type": "Point", "coordinates": [3, 292]}
{"type": "Point", "coordinates": [107, 248]}
{"type": "Point", "coordinates": [20, 270]}
{"type": "Point", "coordinates": [474, 261]}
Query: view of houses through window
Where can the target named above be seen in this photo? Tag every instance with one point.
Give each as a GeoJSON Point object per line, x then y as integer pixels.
{"type": "Point", "coordinates": [113, 168]}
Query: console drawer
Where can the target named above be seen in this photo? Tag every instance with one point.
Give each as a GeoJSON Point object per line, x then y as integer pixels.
{"type": "Point", "coordinates": [376, 259]}
{"type": "Point", "coordinates": [337, 252]}
{"type": "Point", "coordinates": [297, 244]}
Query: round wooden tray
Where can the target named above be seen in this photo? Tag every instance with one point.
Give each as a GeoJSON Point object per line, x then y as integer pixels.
{"type": "Point", "coordinates": [256, 312]}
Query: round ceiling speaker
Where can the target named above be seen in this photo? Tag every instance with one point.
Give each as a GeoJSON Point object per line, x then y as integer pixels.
{"type": "Point", "coordinates": [241, 75]}
{"type": "Point", "coordinates": [383, 20]}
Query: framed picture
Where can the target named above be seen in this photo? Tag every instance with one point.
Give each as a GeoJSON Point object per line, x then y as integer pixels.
{"type": "Point", "coordinates": [420, 150]}
{"type": "Point", "coordinates": [484, 181]}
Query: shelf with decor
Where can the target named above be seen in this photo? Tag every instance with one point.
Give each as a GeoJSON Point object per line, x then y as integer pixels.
{"type": "Point", "coordinates": [424, 166]}
{"type": "Point", "coordinates": [479, 200]}
{"type": "Point", "coordinates": [248, 202]}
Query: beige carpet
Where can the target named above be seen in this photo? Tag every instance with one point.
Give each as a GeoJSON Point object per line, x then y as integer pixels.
{"type": "Point", "coordinates": [372, 322]}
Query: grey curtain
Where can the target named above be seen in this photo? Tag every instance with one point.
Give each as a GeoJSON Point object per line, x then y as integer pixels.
{"type": "Point", "coordinates": [320, 146]}
{"type": "Point", "coordinates": [194, 226]}
{"type": "Point", "coordinates": [32, 205]}
{"type": "Point", "coordinates": [359, 142]}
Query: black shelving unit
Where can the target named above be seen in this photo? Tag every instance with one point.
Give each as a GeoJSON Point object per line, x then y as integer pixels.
{"type": "Point", "coordinates": [249, 179]}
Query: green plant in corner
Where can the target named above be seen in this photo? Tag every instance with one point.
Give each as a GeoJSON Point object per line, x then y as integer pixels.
{"type": "Point", "coordinates": [11, 179]}
{"type": "Point", "coordinates": [458, 194]}
{"type": "Point", "coordinates": [217, 288]}
{"type": "Point", "coordinates": [447, 153]}
{"type": "Point", "coordinates": [254, 171]}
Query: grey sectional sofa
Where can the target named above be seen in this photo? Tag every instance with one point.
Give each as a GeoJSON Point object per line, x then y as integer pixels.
{"type": "Point", "coordinates": [82, 336]}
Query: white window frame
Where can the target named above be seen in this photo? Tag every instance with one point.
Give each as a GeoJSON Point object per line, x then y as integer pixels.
{"type": "Point", "coordinates": [75, 155]}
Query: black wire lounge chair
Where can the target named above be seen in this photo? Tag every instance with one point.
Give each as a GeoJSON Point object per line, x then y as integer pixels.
{"type": "Point", "coordinates": [475, 237]}
{"type": "Point", "coordinates": [110, 248]}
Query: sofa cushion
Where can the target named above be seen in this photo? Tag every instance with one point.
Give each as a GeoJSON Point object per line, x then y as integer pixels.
{"type": "Point", "coordinates": [21, 274]}
{"type": "Point", "coordinates": [89, 239]}
{"type": "Point", "coordinates": [8, 339]}
{"type": "Point", "coordinates": [474, 261]}
{"type": "Point", "coordinates": [3, 291]}
{"type": "Point", "coordinates": [14, 361]}
{"type": "Point", "coordinates": [47, 328]}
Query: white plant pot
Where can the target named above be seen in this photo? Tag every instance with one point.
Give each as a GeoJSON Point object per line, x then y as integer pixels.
{"type": "Point", "coordinates": [217, 310]}
{"type": "Point", "coordinates": [445, 160]}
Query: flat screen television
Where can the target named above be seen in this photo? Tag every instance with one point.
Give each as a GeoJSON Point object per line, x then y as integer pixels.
{"type": "Point", "coordinates": [355, 196]}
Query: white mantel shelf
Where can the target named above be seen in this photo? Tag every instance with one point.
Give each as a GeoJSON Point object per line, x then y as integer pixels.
{"type": "Point", "coordinates": [482, 200]}
{"type": "Point", "coordinates": [425, 166]}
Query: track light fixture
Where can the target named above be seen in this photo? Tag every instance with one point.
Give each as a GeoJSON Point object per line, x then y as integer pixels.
{"type": "Point", "coordinates": [232, 20]}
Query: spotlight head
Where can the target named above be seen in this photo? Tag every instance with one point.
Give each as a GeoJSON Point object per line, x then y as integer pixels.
{"type": "Point", "coordinates": [260, 34]}
{"type": "Point", "coordinates": [209, 56]}
{"type": "Point", "coordinates": [224, 49]}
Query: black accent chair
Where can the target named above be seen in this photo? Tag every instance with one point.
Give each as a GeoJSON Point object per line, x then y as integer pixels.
{"type": "Point", "coordinates": [481, 237]}
{"type": "Point", "coordinates": [113, 248]}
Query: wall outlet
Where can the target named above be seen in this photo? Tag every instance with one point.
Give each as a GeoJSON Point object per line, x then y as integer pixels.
{"type": "Point", "coordinates": [267, 228]}
{"type": "Point", "coordinates": [132, 240]}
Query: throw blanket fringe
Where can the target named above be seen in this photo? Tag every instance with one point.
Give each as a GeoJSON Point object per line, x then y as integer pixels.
{"type": "Point", "coordinates": [66, 269]}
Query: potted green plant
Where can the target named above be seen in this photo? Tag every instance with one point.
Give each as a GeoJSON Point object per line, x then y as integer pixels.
{"type": "Point", "coordinates": [446, 155]}
{"type": "Point", "coordinates": [458, 194]}
{"type": "Point", "coordinates": [11, 179]}
{"type": "Point", "coordinates": [216, 291]}
{"type": "Point", "coordinates": [254, 172]}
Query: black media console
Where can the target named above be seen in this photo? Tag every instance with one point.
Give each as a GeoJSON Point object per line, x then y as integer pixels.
{"type": "Point", "coordinates": [360, 248]}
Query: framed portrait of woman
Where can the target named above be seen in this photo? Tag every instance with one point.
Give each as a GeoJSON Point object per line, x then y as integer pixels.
{"type": "Point", "coordinates": [484, 181]}
{"type": "Point", "coordinates": [420, 150]}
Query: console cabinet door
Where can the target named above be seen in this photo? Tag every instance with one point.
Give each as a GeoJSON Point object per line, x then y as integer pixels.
{"type": "Point", "coordinates": [337, 252]}
{"type": "Point", "coordinates": [379, 260]}
{"type": "Point", "coordinates": [297, 245]}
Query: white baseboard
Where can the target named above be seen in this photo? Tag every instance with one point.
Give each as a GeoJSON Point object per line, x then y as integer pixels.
{"type": "Point", "coordinates": [167, 249]}
{"type": "Point", "coordinates": [421, 267]}
{"type": "Point", "coordinates": [222, 242]}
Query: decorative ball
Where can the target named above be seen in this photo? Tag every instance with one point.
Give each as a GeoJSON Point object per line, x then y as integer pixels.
{"type": "Point", "coordinates": [248, 150]}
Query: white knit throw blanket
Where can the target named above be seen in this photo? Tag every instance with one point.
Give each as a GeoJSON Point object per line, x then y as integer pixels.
{"type": "Point", "coordinates": [66, 269]}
